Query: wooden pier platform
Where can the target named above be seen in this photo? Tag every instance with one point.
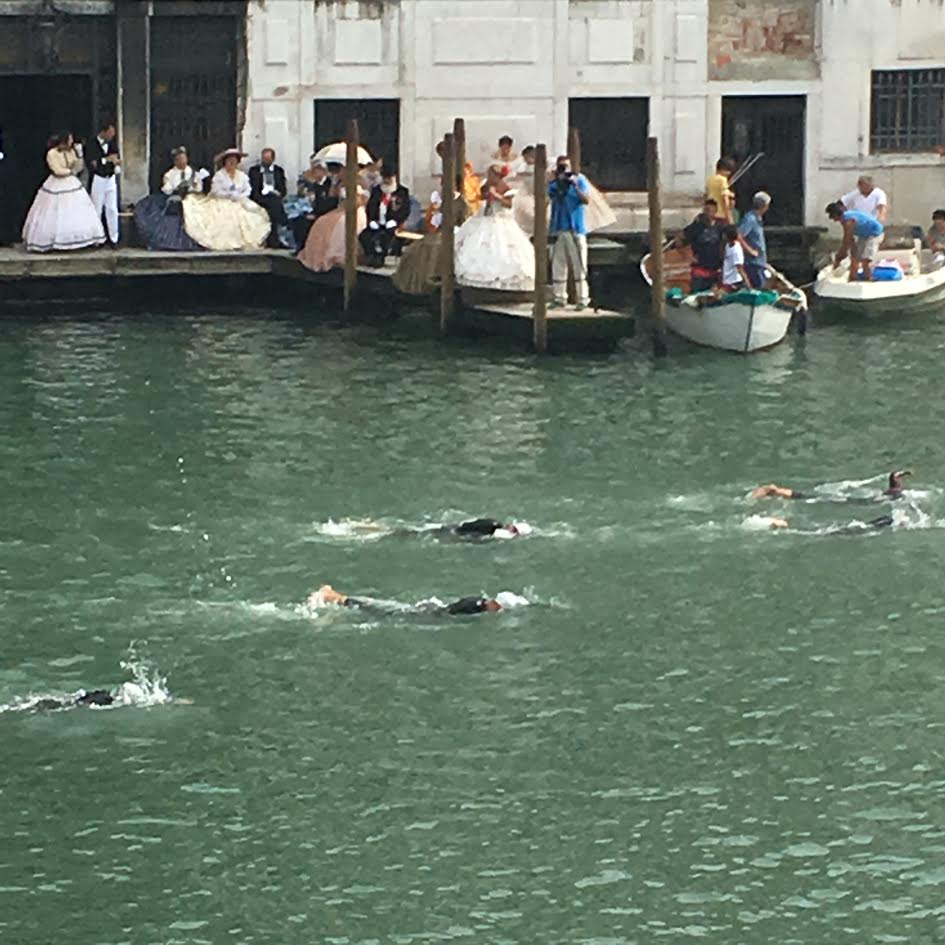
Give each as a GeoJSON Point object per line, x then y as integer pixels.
{"type": "Point", "coordinates": [486, 315]}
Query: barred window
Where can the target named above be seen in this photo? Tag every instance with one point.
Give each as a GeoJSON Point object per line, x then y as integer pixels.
{"type": "Point", "coordinates": [908, 110]}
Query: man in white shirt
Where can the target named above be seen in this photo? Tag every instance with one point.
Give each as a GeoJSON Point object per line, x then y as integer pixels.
{"type": "Point", "coordinates": [868, 199]}
{"type": "Point", "coordinates": [104, 164]}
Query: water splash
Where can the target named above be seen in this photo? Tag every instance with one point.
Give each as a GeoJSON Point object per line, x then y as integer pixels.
{"type": "Point", "coordinates": [147, 687]}
{"type": "Point", "coordinates": [761, 523]}
{"type": "Point", "coordinates": [368, 530]}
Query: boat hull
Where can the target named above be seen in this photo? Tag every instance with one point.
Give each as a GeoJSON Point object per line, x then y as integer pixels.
{"type": "Point", "coordinates": [743, 322]}
{"type": "Point", "coordinates": [911, 295]}
{"type": "Point", "coordinates": [731, 327]}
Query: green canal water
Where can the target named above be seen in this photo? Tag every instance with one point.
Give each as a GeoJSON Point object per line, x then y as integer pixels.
{"type": "Point", "coordinates": [696, 729]}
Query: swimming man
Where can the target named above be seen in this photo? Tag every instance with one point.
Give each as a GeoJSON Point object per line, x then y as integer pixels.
{"type": "Point", "coordinates": [486, 528]}
{"type": "Point", "coordinates": [326, 594]}
{"type": "Point", "coordinates": [94, 697]}
{"type": "Point", "coordinates": [894, 490]}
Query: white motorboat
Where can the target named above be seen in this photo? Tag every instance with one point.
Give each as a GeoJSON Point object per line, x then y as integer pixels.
{"type": "Point", "coordinates": [744, 321]}
{"type": "Point", "coordinates": [922, 285]}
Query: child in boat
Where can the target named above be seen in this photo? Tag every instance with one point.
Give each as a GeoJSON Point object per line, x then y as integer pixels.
{"type": "Point", "coordinates": [718, 188]}
{"type": "Point", "coordinates": [734, 276]}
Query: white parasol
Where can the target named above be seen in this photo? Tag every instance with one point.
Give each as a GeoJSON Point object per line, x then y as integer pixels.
{"type": "Point", "coordinates": [337, 153]}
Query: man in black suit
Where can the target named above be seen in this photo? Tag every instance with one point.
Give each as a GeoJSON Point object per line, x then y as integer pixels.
{"type": "Point", "coordinates": [102, 160]}
{"type": "Point", "coordinates": [267, 180]}
{"type": "Point", "coordinates": [387, 210]}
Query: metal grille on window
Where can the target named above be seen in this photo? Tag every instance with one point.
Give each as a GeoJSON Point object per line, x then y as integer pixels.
{"type": "Point", "coordinates": [908, 110]}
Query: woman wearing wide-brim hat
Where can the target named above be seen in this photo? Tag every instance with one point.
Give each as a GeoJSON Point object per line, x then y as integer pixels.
{"type": "Point", "coordinates": [227, 219]}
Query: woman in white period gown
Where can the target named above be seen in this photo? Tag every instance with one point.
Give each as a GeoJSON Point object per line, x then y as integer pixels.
{"type": "Point", "coordinates": [523, 204]}
{"type": "Point", "coordinates": [62, 215]}
{"type": "Point", "coordinates": [492, 251]}
{"type": "Point", "coordinates": [227, 219]}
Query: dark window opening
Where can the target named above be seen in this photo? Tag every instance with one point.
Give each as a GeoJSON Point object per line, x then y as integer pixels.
{"type": "Point", "coordinates": [378, 125]}
{"type": "Point", "coordinates": [908, 110]}
{"type": "Point", "coordinates": [193, 89]}
{"type": "Point", "coordinates": [771, 128]}
{"type": "Point", "coordinates": [613, 140]}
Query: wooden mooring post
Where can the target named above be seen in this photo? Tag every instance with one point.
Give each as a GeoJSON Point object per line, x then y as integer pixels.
{"type": "Point", "coordinates": [459, 170]}
{"type": "Point", "coordinates": [351, 212]}
{"type": "Point", "coordinates": [574, 156]}
{"type": "Point", "coordinates": [540, 309]}
{"type": "Point", "coordinates": [448, 235]}
{"type": "Point", "coordinates": [658, 288]}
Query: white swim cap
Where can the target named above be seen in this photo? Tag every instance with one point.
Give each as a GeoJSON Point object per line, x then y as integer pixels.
{"type": "Point", "coordinates": [507, 599]}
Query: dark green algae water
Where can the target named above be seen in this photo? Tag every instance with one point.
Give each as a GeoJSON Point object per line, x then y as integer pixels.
{"type": "Point", "coordinates": [698, 728]}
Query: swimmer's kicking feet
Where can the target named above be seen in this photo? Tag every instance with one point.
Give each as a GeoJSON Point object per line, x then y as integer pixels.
{"type": "Point", "coordinates": [326, 594]}
{"type": "Point", "coordinates": [894, 490]}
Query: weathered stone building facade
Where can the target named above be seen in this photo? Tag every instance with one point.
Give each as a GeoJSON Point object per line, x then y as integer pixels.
{"type": "Point", "coordinates": [826, 88]}
{"type": "Point", "coordinates": [168, 71]}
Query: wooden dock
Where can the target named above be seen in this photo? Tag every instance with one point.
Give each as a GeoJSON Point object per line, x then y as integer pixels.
{"type": "Point", "coordinates": [487, 315]}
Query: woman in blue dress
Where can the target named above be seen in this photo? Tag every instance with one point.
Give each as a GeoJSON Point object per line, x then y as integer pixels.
{"type": "Point", "coordinates": [160, 218]}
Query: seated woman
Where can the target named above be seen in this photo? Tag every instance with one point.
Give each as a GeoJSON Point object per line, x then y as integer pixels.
{"type": "Point", "coordinates": [159, 218]}
{"type": "Point", "coordinates": [226, 219]}
{"type": "Point", "coordinates": [418, 271]}
{"type": "Point", "coordinates": [324, 248]}
{"type": "Point", "coordinates": [312, 199]}
{"type": "Point", "coordinates": [492, 251]}
{"type": "Point", "coordinates": [62, 215]}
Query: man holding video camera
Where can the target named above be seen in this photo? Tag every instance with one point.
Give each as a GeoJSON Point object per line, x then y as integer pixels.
{"type": "Point", "coordinates": [569, 194]}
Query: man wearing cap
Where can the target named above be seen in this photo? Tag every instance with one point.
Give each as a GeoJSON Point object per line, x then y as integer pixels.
{"type": "Point", "coordinates": [267, 180]}
{"type": "Point", "coordinates": [752, 233]}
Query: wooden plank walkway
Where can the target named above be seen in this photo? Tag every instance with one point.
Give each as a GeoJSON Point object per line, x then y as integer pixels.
{"type": "Point", "coordinates": [16, 263]}
{"type": "Point", "coordinates": [483, 312]}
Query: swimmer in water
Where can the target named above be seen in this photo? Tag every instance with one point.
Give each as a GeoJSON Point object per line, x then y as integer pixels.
{"type": "Point", "coordinates": [894, 490]}
{"type": "Point", "coordinates": [486, 528]}
{"type": "Point", "coordinates": [326, 594]}
{"type": "Point", "coordinates": [94, 697]}
{"type": "Point", "coordinates": [884, 521]}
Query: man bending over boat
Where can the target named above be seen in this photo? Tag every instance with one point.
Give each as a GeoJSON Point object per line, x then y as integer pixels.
{"type": "Point", "coordinates": [862, 235]}
{"type": "Point", "coordinates": [327, 595]}
{"type": "Point", "coordinates": [894, 490]}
